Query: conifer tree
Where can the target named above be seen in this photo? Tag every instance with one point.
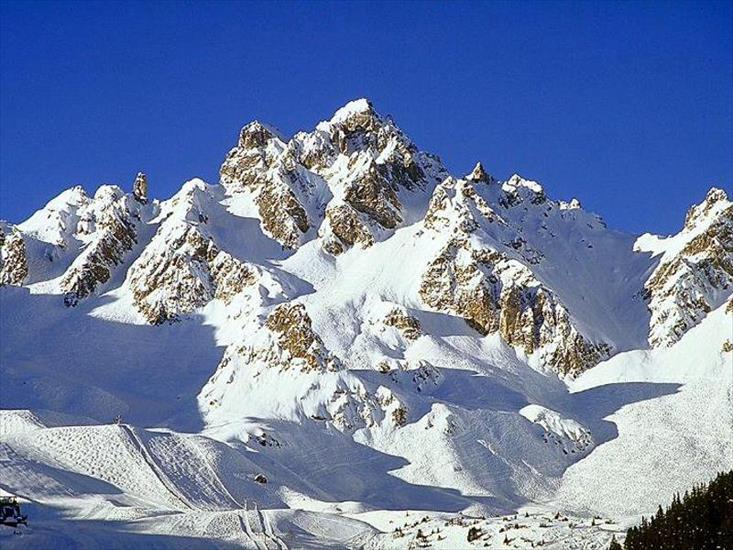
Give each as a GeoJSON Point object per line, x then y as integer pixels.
{"type": "Point", "coordinates": [702, 519]}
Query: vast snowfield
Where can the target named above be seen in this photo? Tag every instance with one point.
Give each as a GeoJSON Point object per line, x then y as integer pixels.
{"type": "Point", "coordinates": [379, 418]}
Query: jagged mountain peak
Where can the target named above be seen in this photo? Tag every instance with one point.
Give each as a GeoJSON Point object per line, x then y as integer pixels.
{"type": "Point", "coordinates": [340, 299]}
{"type": "Point", "coordinates": [479, 174]}
{"type": "Point", "coordinates": [516, 181]}
{"type": "Point", "coordinates": [140, 187]}
{"type": "Point", "coordinates": [715, 202]}
{"type": "Point", "coordinates": [695, 270]}
{"type": "Point", "coordinates": [345, 182]}
{"type": "Point", "coordinates": [257, 134]}
{"type": "Point", "coordinates": [362, 108]}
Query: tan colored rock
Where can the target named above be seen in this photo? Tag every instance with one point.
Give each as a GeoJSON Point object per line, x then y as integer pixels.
{"type": "Point", "coordinates": [113, 220]}
{"type": "Point", "coordinates": [683, 289]}
{"type": "Point", "coordinates": [479, 175]}
{"type": "Point", "coordinates": [230, 276]}
{"type": "Point", "coordinates": [175, 281]}
{"type": "Point", "coordinates": [347, 229]}
{"type": "Point", "coordinates": [295, 335]}
{"type": "Point", "coordinates": [457, 202]}
{"type": "Point", "coordinates": [13, 258]}
{"type": "Point", "coordinates": [372, 194]}
{"type": "Point", "coordinates": [700, 211]}
{"type": "Point", "coordinates": [259, 164]}
{"type": "Point", "coordinates": [282, 215]}
{"type": "Point", "coordinates": [399, 416]}
{"type": "Point", "coordinates": [409, 326]}
{"type": "Point", "coordinates": [494, 293]}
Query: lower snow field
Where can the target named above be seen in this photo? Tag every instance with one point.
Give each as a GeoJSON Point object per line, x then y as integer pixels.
{"type": "Point", "coordinates": [637, 428]}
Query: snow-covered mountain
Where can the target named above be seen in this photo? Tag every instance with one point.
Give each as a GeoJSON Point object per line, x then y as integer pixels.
{"type": "Point", "coordinates": [339, 333]}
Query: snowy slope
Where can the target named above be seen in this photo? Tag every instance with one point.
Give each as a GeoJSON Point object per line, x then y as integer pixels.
{"type": "Point", "coordinates": [339, 334]}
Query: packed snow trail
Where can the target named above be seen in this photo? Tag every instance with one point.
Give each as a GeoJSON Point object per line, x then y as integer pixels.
{"type": "Point", "coordinates": [171, 487]}
{"type": "Point", "coordinates": [267, 530]}
{"type": "Point", "coordinates": [244, 521]}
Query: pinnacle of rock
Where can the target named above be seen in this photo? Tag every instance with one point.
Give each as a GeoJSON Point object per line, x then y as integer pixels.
{"type": "Point", "coordinates": [140, 187]}
{"type": "Point", "coordinates": [479, 174]}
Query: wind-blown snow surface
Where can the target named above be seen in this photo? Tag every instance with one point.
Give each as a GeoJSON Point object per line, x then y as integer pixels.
{"type": "Point", "coordinates": [291, 372]}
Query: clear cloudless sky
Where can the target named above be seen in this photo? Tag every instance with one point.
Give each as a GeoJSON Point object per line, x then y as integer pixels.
{"type": "Point", "coordinates": [626, 105]}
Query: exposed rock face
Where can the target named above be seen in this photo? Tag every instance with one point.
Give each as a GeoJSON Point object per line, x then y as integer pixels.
{"type": "Point", "coordinates": [302, 347]}
{"type": "Point", "coordinates": [344, 229]}
{"type": "Point", "coordinates": [285, 341]}
{"type": "Point", "coordinates": [230, 276]}
{"type": "Point", "coordinates": [283, 216]}
{"type": "Point", "coordinates": [110, 222]}
{"type": "Point", "coordinates": [140, 188]}
{"type": "Point", "coordinates": [176, 279]}
{"type": "Point", "coordinates": [257, 150]}
{"type": "Point", "coordinates": [409, 326]}
{"type": "Point", "coordinates": [346, 176]}
{"type": "Point", "coordinates": [495, 293]}
{"type": "Point", "coordinates": [188, 273]}
{"type": "Point", "coordinates": [371, 194]}
{"type": "Point", "coordinates": [261, 165]}
{"type": "Point", "coordinates": [493, 289]}
{"type": "Point", "coordinates": [479, 175]}
{"type": "Point", "coordinates": [183, 268]}
{"type": "Point", "coordinates": [13, 260]}
{"type": "Point", "coordinates": [696, 275]}
{"type": "Point", "coordinates": [455, 204]}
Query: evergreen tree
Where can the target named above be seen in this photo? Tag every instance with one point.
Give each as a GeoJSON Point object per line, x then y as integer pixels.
{"type": "Point", "coordinates": [702, 519]}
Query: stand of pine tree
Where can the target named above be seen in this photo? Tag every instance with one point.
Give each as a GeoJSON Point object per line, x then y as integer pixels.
{"type": "Point", "coordinates": [702, 519]}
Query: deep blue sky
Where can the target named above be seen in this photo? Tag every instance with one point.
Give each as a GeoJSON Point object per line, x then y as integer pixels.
{"type": "Point", "coordinates": [627, 106]}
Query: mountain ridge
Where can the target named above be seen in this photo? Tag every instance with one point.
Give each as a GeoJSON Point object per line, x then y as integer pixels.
{"type": "Point", "coordinates": [458, 343]}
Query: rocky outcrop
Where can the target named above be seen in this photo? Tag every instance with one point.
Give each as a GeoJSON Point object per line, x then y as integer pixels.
{"type": "Point", "coordinates": [482, 274]}
{"type": "Point", "coordinates": [456, 205]}
{"type": "Point", "coordinates": [176, 279]}
{"type": "Point", "coordinates": [369, 163]}
{"type": "Point", "coordinates": [346, 177]}
{"type": "Point", "coordinates": [140, 188]}
{"type": "Point", "coordinates": [230, 276]}
{"type": "Point", "coordinates": [298, 344]}
{"type": "Point", "coordinates": [372, 194]}
{"type": "Point", "coordinates": [696, 274]}
{"type": "Point", "coordinates": [245, 165]}
{"type": "Point", "coordinates": [261, 165]}
{"type": "Point", "coordinates": [13, 259]}
{"type": "Point", "coordinates": [283, 216]}
{"type": "Point", "coordinates": [109, 224]}
{"type": "Point", "coordinates": [284, 341]}
{"type": "Point", "coordinates": [343, 229]}
{"type": "Point", "coordinates": [408, 325]}
{"type": "Point", "coordinates": [187, 272]}
{"type": "Point", "coordinates": [495, 293]}
{"type": "Point", "coordinates": [479, 175]}
{"type": "Point", "coordinates": [182, 268]}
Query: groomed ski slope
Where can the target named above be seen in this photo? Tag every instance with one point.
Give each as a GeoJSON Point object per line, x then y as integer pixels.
{"type": "Point", "coordinates": [118, 485]}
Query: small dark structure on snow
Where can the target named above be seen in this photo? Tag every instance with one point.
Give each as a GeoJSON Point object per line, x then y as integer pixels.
{"type": "Point", "coordinates": [10, 512]}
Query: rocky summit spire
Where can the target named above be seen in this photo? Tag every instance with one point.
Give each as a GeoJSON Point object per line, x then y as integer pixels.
{"type": "Point", "coordinates": [479, 174]}
{"type": "Point", "coordinates": [140, 187]}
